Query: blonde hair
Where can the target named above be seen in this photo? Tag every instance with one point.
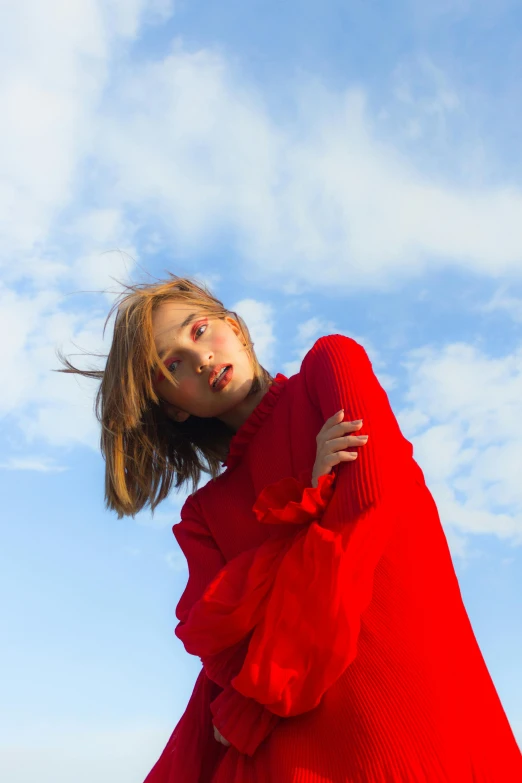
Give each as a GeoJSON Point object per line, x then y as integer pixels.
{"type": "Point", "coordinates": [142, 447]}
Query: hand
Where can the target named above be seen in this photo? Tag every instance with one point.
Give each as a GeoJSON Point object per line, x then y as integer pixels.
{"type": "Point", "coordinates": [220, 737]}
{"type": "Point", "coordinates": [330, 440]}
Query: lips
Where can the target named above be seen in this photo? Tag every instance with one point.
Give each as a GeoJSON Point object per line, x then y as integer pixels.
{"type": "Point", "coordinates": [215, 372]}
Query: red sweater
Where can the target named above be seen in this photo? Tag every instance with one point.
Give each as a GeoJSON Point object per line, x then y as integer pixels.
{"type": "Point", "coordinates": [334, 641]}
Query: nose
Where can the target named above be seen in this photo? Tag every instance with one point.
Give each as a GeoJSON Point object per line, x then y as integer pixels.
{"type": "Point", "coordinates": [203, 359]}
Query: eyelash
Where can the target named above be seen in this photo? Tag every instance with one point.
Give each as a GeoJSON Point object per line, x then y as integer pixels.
{"type": "Point", "coordinates": [168, 366]}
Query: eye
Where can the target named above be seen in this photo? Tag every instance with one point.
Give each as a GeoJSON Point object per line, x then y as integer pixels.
{"type": "Point", "coordinates": [201, 326]}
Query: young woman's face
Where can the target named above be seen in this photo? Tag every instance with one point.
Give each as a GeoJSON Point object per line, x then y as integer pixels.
{"type": "Point", "coordinates": [191, 351]}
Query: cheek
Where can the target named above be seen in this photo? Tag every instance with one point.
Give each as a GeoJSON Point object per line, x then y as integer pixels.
{"type": "Point", "coordinates": [228, 345]}
{"type": "Point", "coordinates": [162, 388]}
{"type": "Point", "coordinates": [221, 341]}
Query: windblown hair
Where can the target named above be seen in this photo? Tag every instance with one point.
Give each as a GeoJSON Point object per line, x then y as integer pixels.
{"type": "Point", "coordinates": [142, 447]}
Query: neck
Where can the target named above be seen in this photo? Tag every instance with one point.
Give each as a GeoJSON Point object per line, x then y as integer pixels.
{"type": "Point", "coordinates": [237, 416]}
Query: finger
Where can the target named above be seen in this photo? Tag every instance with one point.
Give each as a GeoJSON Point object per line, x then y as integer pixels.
{"type": "Point", "coordinates": [332, 421]}
{"type": "Point", "coordinates": [337, 429]}
{"type": "Point", "coordinates": [223, 740]}
{"type": "Point", "coordinates": [346, 456]}
{"type": "Point", "coordinates": [344, 427]}
{"type": "Point", "coordinates": [329, 461]}
{"type": "Point", "coordinates": [346, 440]}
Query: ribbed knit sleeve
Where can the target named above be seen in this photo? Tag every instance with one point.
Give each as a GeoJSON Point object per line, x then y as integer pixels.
{"type": "Point", "coordinates": [242, 721]}
{"type": "Point", "coordinates": [338, 374]}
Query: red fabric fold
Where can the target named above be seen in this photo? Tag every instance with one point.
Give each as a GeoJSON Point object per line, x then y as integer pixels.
{"type": "Point", "coordinates": [245, 723]}
{"type": "Point", "coordinates": [308, 634]}
{"type": "Point", "coordinates": [235, 600]}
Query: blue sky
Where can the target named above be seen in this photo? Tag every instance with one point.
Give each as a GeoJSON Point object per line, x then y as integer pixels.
{"type": "Point", "coordinates": [324, 167]}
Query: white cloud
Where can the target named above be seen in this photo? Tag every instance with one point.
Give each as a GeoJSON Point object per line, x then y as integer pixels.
{"type": "Point", "coordinates": [50, 88]}
{"type": "Point", "coordinates": [106, 237]}
{"type": "Point", "coordinates": [467, 436]}
{"type": "Point", "coordinates": [40, 465]}
{"type": "Point", "coordinates": [195, 148]}
{"type": "Point", "coordinates": [49, 95]}
{"type": "Point", "coordinates": [259, 318]}
{"type": "Point", "coordinates": [45, 404]}
{"type": "Point", "coordinates": [19, 318]}
{"type": "Point", "coordinates": [503, 302]}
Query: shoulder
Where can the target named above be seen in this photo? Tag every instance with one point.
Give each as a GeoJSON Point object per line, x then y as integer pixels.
{"type": "Point", "coordinates": [195, 504]}
{"type": "Point", "coordinates": [191, 507]}
{"type": "Point", "coordinates": [332, 347]}
{"type": "Point", "coordinates": [192, 522]}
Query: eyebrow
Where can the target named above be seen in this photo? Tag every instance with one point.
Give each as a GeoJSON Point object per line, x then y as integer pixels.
{"type": "Point", "coordinates": [185, 323]}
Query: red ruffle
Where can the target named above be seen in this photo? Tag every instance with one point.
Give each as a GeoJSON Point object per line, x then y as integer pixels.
{"type": "Point", "coordinates": [235, 600]}
{"type": "Point", "coordinates": [242, 436]}
{"type": "Point", "coordinates": [291, 501]}
{"type": "Point", "coordinates": [242, 721]}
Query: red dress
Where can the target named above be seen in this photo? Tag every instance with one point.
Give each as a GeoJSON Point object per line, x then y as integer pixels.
{"type": "Point", "coordinates": [335, 644]}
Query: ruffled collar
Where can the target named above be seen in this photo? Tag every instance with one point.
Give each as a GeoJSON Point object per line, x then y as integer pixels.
{"type": "Point", "coordinates": [243, 435]}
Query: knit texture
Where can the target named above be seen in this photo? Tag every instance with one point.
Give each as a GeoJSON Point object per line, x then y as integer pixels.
{"type": "Point", "coordinates": [334, 642]}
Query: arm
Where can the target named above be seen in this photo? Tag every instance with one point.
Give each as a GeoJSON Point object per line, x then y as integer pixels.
{"type": "Point", "coordinates": [338, 374]}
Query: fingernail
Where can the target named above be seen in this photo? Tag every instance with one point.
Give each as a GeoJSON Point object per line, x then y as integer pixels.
{"type": "Point", "coordinates": [357, 421]}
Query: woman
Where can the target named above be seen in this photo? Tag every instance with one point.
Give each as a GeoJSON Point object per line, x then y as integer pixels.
{"type": "Point", "coordinates": [322, 598]}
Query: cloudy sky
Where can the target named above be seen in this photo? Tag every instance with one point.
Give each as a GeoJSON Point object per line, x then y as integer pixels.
{"type": "Point", "coordinates": [325, 167]}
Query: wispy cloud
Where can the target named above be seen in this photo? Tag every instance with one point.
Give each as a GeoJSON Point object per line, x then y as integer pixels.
{"type": "Point", "coordinates": [41, 465]}
{"type": "Point", "coordinates": [462, 412]}
{"type": "Point", "coordinates": [176, 560]}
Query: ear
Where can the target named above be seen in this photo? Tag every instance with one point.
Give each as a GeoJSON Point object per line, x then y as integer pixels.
{"type": "Point", "coordinates": [233, 325]}
{"type": "Point", "coordinates": [174, 413]}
